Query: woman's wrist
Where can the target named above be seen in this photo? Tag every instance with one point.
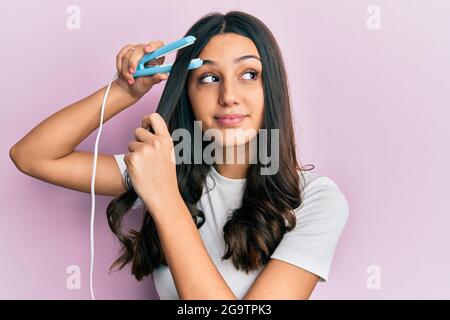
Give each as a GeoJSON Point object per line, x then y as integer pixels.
{"type": "Point", "coordinates": [121, 87]}
{"type": "Point", "coordinates": [162, 208]}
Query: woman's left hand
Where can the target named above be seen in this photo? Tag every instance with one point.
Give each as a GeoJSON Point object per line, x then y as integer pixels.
{"type": "Point", "coordinates": [151, 163]}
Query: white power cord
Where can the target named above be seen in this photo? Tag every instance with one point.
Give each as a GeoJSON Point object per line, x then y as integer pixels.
{"type": "Point", "coordinates": [94, 169]}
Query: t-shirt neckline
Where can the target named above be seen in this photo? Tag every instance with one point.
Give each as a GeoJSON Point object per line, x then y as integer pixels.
{"type": "Point", "coordinates": [223, 179]}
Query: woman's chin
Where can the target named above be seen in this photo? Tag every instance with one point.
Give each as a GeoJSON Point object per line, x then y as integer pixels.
{"type": "Point", "coordinates": [232, 141]}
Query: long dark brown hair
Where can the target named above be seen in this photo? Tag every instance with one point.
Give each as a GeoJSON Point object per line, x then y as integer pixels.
{"type": "Point", "coordinates": [254, 230]}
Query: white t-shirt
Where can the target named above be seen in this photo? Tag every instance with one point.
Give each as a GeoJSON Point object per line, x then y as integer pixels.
{"type": "Point", "coordinates": [321, 219]}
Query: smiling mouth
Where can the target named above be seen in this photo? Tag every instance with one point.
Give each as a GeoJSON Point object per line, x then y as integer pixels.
{"type": "Point", "coordinates": [230, 120]}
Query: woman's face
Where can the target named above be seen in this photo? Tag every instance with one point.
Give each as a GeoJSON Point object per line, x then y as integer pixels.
{"type": "Point", "coordinates": [228, 83]}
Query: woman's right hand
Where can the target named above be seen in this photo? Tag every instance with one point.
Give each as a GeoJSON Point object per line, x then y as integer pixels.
{"type": "Point", "coordinates": [126, 62]}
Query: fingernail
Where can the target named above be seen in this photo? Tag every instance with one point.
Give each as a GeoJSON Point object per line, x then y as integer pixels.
{"type": "Point", "coordinates": [147, 48]}
{"type": "Point", "coordinates": [130, 81]}
{"type": "Point", "coordinates": [131, 70]}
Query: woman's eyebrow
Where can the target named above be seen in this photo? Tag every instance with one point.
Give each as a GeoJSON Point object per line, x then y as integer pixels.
{"type": "Point", "coordinates": [236, 60]}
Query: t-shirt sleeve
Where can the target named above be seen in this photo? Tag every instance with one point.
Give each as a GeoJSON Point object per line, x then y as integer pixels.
{"type": "Point", "coordinates": [321, 219]}
{"type": "Point", "coordinates": [122, 167]}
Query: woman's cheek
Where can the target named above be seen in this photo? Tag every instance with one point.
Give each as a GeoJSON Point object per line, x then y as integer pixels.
{"type": "Point", "coordinates": [202, 114]}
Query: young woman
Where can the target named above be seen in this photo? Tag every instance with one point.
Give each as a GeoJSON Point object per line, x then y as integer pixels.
{"type": "Point", "coordinates": [210, 231]}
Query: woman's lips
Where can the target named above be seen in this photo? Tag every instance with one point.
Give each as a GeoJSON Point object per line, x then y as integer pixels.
{"type": "Point", "coordinates": [230, 120]}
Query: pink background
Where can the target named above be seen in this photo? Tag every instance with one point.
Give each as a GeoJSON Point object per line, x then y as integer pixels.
{"type": "Point", "coordinates": [371, 107]}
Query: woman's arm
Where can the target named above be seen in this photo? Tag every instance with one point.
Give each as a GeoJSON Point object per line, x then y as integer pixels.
{"type": "Point", "coordinates": [47, 151]}
{"type": "Point", "coordinates": [59, 134]}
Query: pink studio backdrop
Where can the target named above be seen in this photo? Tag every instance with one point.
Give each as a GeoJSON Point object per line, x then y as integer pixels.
{"type": "Point", "coordinates": [371, 108]}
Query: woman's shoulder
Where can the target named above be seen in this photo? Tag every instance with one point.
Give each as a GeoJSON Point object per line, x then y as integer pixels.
{"type": "Point", "coordinates": [307, 177]}
{"type": "Point", "coordinates": [321, 218]}
{"type": "Point", "coordinates": [322, 198]}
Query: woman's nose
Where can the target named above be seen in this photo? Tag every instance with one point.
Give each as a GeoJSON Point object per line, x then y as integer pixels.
{"type": "Point", "coordinates": [229, 93]}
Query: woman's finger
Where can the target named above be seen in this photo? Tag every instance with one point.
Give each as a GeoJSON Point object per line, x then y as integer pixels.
{"type": "Point", "coordinates": [150, 47]}
{"type": "Point", "coordinates": [158, 124]}
{"type": "Point", "coordinates": [153, 45]}
{"type": "Point", "coordinates": [161, 77]}
{"type": "Point", "coordinates": [119, 58]}
{"type": "Point", "coordinates": [142, 135]}
{"type": "Point", "coordinates": [125, 64]}
{"type": "Point", "coordinates": [135, 57]}
{"type": "Point", "coordinates": [145, 122]}
{"type": "Point", "coordinates": [154, 79]}
{"type": "Point", "coordinates": [134, 146]}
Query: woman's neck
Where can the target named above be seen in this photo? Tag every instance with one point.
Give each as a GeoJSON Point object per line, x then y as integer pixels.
{"type": "Point", "coordinates": [232, 171]}
{"type": "Point", "coordinates": [235, 167]}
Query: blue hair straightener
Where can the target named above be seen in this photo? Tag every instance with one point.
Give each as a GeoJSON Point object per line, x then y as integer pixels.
{"type": "Point", "coordinates": [142, 71]}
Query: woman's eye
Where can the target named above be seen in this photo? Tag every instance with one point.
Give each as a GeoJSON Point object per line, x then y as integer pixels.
{"type": "Point", "coordinates": [252, 72]}
{"type": "Point", "coordinates": [206, 77]}
{"type": "Point", "coordinates": [210, 76]}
